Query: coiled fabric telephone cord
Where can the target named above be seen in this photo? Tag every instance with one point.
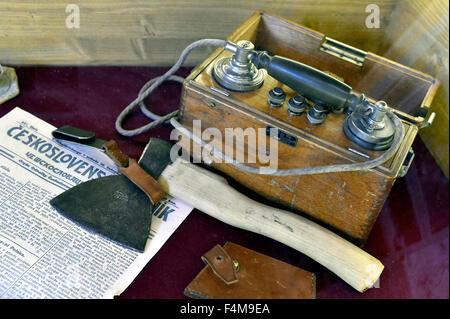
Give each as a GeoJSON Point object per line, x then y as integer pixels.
{"type": "Point", "coordinates": [151, 85]}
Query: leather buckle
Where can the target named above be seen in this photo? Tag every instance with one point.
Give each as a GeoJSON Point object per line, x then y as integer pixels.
{"type": "Point", "coordinates": [222, 264]}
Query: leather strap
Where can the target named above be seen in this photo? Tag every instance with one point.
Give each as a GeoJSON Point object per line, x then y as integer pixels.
{"type": "Point", "coordinates": [113, 151]}
{"type": "Point", "coordinates": [221, 264]}
{"type": "Point", "coordinates": [143, 180]}
{"type": "Point", "coordinates": [260, 277]}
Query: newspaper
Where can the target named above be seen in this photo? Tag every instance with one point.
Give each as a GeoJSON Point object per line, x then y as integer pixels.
{"type": "Point", "coordinates": [43, 254]}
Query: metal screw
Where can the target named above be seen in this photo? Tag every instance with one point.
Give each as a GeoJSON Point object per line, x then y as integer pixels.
{"type": "Point", "coordinates": [211, 104]}
{"type": "Point", "coordinates": [236, 265]}
{"type": "Point", "coordinates": [245, 44]}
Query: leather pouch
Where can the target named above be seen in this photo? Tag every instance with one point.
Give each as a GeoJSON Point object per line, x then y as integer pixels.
{"type": "Point", "coordinates": [236, 272]}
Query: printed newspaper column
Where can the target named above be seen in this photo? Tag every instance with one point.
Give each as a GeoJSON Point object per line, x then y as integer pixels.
{"type": "Point", "coordinates": [43, 254]}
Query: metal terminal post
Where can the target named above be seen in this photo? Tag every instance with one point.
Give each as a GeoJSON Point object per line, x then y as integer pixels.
{"type": "Point", "coordinates": [316, 115]}
{"type": "Point", "coordinates": [296, 105]}
{"type": "Point", "coordinates": [369, 126]}
{"type": "Point", "coordinates": [276, 97]}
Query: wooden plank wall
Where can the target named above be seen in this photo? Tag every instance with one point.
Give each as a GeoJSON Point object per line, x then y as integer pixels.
{"type": "Point", "coordinates": [417, 36]}
{"type": "Point", "coordinates": [149, 32]}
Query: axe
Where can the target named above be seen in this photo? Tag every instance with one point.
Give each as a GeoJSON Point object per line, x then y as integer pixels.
{"type": "Point", "coordinates": [212, 195]}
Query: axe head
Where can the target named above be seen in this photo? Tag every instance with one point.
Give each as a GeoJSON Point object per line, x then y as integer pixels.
{"type": "Point", "coordinates": [113, 206]}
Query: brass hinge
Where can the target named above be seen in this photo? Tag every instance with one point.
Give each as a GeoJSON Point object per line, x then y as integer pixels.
{"type": "Point", "coordinates": [343, 51]}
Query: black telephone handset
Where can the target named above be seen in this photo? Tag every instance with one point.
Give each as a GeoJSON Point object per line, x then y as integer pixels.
{"type": "Point", "coordinates": [367, 125]}
{"type": "Point", "coordinates": [307, 81]}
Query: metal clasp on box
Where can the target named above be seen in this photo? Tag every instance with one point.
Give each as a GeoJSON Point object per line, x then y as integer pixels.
{"type": "Point", "coordinates": [407, 163]}
{"type": "Point", "coordinates": [343, 51]}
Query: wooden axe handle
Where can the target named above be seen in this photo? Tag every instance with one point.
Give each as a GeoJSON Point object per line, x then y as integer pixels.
{"type": "Point", "coordinates": [212, 195]}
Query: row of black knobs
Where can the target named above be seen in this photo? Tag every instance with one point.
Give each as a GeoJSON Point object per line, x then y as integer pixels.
{"type": "Point", "coordinates": [297, 105]}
